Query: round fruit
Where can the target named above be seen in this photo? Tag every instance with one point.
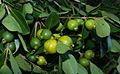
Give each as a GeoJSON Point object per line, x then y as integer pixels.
{"type": "Point", "coordinates": [84, 62]}
{"type": "Point", "coordinates": [35, 43]}
{"type": "Point", "coordinates": [80, 22]}
{"type": "Point", "coordinates": [89, 54]}
{"type": "Point", "coordinates": [7, 37]}
{"type": "Point", "coordinates": [50, 46]}
{"type": "Point", "coordinates": [32, 58]}
{"type": "Point", "coordinates": [11, 46]}
{"type": "Point", "coordinates": [66, 40]}
{"type": "Point", "coordinates": [90, 24]}
{"type": "Point", "coordinates": [72, 25]}
{"type": "Point", "coordinates": [41, 60]}
{"type": "Point", "coordinates": [46, 34]}
{"type": "Point", "coordinates": [39, 33]}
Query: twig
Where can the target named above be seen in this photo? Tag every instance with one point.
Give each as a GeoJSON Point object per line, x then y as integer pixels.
{"type": "Point", "coordinates": [7, 51]}
{"type": "Point", "coordinates": [7, 9]}
{"type": "Point", "coordinates": [64, 17]}
{"type": "Point", "coordinates": [36, 24]}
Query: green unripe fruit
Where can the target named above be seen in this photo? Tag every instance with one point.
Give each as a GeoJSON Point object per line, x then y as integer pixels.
{"type": "Point", "coordinates": [84, 62]}
{"type": "Point", "coordinates": [46, 34]}
{"type": "Point", "coordinates": [66, 40]}
{"type": "Point", "coordinates": [41, 61]}
{"type": "Point", "coordinates": [32, 58]}
{"type": "Point", "coordinates": [7, 37]}
{"type": "Point", "coordinates": [90, 24]}
{"type": "Point", "coordinates": [89, 54]}
{"type": "Point", "coordinates": [35, 43]}
{"type": "Point", "coordinates": [72, 25]}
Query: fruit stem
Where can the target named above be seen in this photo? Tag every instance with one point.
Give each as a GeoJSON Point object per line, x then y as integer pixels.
{"type": "Point", "coordinates": [6, 56]}
{"type": "Point", "coordinates": [79, 17]}
{"type": "Point", "coordinates": [60, 64]}
{"type": "Point", "coordinates": [7, 9]}
{"type": "Point", "coordinates": [81, 54]}
{"type": "Point", "coordinates": [36, 24]}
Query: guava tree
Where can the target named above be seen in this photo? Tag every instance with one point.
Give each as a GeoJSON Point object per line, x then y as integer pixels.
{"type": "Point", "coordinates": [59, 36]}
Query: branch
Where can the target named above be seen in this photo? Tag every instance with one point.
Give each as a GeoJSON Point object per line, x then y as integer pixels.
{"type": "Point", "coordinates": [64, 17]}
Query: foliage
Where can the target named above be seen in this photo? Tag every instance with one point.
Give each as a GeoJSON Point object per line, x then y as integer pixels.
{"type": "Point", "coordinates": [23, 18]}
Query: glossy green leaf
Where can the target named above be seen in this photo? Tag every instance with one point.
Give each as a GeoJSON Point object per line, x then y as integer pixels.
{"type": "Point", "coordinates": [110, 15]}
{"type": "Point", "coordinates": [40, 14]}
{"type": "Point", "coordinates": [16, 22]}
{"type": "Point", "coordinates": [2, 11]}
{"type": "Point", "coordinates": [60, 13]}
{"type": "Point", "coordinates": [52, 20]}
{"type": "Point", "coordinates": [70, 65]}
{"type": "Point", "coordinates": [37, 69]}
{"type": "Point", "coordinates": [62, 48]}
{"type": "Point", "coordinates": [21, 20]}
{"type": "Point", "coordinates": [10, 23]}
{"type": "Point", "coordinates": [102, 28]}
{"type": "Point", "coordinates": [114, 28]}
{"type": "Point", "coordinates": [13, 24]}
{"type": "Point", "coordinates": [115, 46]}
{"type": "Point", "coordinates": [5, 70]}
{"type": "Point", "coordinates": [118, 67]}
{"type": "Point", "coordinates": [90, 8]}
{"type": "Point", "coordinates": [52, 9]}
{"type": "Point", "coordinates": [119, 60]}
{"type": "Point", "coordinates": [27, 8]}
{"type": "Point", "coordinates": [81, 69]}
{"type": "Point", "coordinates": [84, 33]}
{"type": "Point", "coordinates": [17, 45]}
{"type": "Point", "coordinates": [14, 65]}
{"type": "Point", "coordinates": [94, 69]}
{"type": "Point", "coordinates": [22, 63]}
{"type": "Point", "coordinates": [2, 57]}
{"type": "Point", "coordinates": [65, 9]}
{"type": "Point", "coordinates": [80, 11]}
{"type": "Point", "coordinates": [23, 43]}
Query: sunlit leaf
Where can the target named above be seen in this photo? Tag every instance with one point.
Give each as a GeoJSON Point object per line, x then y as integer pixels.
{"type": "Point", "coordinates": [5, 70]}
{"type": "Point", "coordinates": [27, 8]}
{"type": "Point", "coordinates": [16, 22]}
{"type": "Point", "coordinates": [52, 20]}
{"type": "Point", "coordinates": [94, 69]}
{"type": "Point", "coordinates": [70, 65]}
{"type": "Point", "coordinates": [115, 46]}
{"type": "Point", "coordinates": [102, 28]}
{"type": "Point", "coordinates": [22, 63]}
{"type": "Point", "coordinates": [14, 65]}
{"type": "Point", "coordinates": [81, 69]}
{"type": "Point", "coordinates": [62, 48]}
{"type": "Point", "coordinates": [2, 11]}
{"type": "Point", "coordinates": [37, 69]}
{"type": "Point", "coordinates": [23, 42]}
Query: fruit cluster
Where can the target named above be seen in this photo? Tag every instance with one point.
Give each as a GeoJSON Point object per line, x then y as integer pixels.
{"type": "Point", "coordinates": [7, 40]}
{"type": "Point", "coordinates": [73, 24]}
{"type": "Point", "coordinates": [50, 41]}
